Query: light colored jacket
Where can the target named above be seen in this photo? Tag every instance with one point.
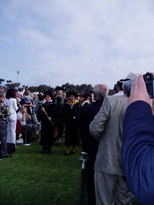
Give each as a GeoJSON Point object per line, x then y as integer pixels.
{"type": "Point", "coordinates": [107, 128]}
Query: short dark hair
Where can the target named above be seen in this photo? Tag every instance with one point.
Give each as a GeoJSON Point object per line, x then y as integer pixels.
{"type": "Point", "coordinates": [120, 83]}
{"type": "Point", "coordinates": [48, 93]}
{"type": "Point", "coordinates": [11, 93]}
{"type": "Point", "coordinates": [85, 96]}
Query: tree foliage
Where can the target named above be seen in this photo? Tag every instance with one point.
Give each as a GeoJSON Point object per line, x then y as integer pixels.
{"type": "Point", "coordinates": [43, 88]}
{"type": "Point", "coordinates": [83, 88]}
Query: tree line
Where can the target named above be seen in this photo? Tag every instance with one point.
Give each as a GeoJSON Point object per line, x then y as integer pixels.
{"type": "Point", "coordinates": [83, 88]}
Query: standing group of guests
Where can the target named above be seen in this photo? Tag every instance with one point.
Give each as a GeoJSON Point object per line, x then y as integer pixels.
{"type": "Point", "coordinates": [102, 142]}
{"type": "Point", "coordinates": [97, 126]}
{"type": "Point", "coordinates": [58, 116]}
{"type": "Point", "coordinates": [102, 129]}
{"type": "Point", "coordinates": [17, 111]}
{"type": "Point", "coordinates": [54, 114]}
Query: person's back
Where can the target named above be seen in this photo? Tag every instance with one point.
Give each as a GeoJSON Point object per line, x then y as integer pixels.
{"type": "Point", "coordinates": [11, 101]}
{"type": "Point", "coordinates": [109, 134]}
{"type": "Point", "coordinates": [107, 128]}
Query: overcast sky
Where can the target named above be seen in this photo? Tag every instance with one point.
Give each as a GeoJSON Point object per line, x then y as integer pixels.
{"type": "Point", "coordinates": [53, 42]}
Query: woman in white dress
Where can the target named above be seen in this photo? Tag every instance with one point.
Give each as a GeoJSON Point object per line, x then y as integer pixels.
{"type": "Point", "coordinates": [11, 101]}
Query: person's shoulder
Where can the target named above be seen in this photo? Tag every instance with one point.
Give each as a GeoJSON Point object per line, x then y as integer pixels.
{"type": "Point", "coordinates": [137, 106]}
{"type": "Point", "coordinates": [50, 103]}
{"type": "Point", "coordinates": [86, 107]}
{"type": "Point", "coordinates": [116, 97]}
{"type": "Point", "coordinates": [115, 100]}
{"type": "Point", "coordinates": [14, 99]}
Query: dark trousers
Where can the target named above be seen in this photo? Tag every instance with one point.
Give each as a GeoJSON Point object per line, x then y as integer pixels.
{"type": "Point", "coordinates": [3, 137]}
{"type": "Point", "coordinates": [90, 185]}
{"type": "Point", "coordinates": [60, 131]}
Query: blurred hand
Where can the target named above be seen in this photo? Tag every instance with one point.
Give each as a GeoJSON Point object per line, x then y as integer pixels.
{"type": "Point", "coordinates": [139, 91]}
{"type": "Point", "coordinates": [31, 105]}
{"type": "Point", "coordinates": [49, 118]}
{"type": "Point", "coordinates": [43, 109]}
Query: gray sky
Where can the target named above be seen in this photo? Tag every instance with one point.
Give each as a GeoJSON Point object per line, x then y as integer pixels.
{"type": "Point", "coordinates": [53, 42]}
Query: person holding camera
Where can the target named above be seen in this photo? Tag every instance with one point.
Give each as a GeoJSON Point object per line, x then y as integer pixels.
{"type": "Point", "coordinates": [138, 144]}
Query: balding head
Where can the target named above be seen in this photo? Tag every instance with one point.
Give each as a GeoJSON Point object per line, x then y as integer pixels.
{"type": "Point", "coordinates": [100, 91]}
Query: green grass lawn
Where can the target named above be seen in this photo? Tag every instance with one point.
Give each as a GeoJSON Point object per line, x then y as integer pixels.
{"type": "Point", "coordinates": [32, 178]}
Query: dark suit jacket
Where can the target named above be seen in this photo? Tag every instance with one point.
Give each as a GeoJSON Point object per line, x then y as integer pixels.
{"type": "Point", "coordinates": [84, 118]}
{"type": "Point", "coordinates": [138, 151]}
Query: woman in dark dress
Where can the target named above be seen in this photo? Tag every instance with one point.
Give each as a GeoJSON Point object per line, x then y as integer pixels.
{"type": "Point", "coordinates": [71, 110]}
{"type": "Point", "coordinates": [47, 115]}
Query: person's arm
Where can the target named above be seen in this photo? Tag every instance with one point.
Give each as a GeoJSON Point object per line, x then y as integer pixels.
{"type": "Point", "coordinates": [138, 143]}
{"type": "Point", "coordinates": [15, 104]}
{"type": "Point", "coordinates": [97, 126]}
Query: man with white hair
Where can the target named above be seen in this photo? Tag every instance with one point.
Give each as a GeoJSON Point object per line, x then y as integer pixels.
{"type": "Point", "coordinates": [107, 129]}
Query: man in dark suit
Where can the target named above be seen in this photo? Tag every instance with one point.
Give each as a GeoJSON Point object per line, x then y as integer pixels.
{"type": "Point", "coordinates": [90, 145]}
{"type": "Point", "coordinates": [138, 144]}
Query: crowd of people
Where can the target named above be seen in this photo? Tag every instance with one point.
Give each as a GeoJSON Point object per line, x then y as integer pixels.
{"type": "Point", "coordinates": [118, 140]}
{"type": "Point", "coordinates": [44, 114]}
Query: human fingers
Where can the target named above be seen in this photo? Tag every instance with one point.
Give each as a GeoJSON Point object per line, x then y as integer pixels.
{"type": "Point", "coordinates": [134, 86]}
{"type": "Point", "coordinates": [141, 84]}
{"type": "Point", "coordinates": [138, 85]}
{"type": "Point", "coordinates": [138, 91]}
{"type": "Point", "coordinates": [42, 109]}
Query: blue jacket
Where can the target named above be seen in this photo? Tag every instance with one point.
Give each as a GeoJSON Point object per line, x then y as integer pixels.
{"type": "Point", "coordinates": [138, 151]}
